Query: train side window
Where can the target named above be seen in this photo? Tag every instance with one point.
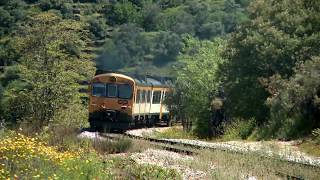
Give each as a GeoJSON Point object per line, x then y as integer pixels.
{"type": "Point", "coordinates": [163, 96]}
{"type": "Point", "coordinates": [98, 89]}
{"type": "Point", "coordinates": [112, 90]}
{"type": "Point", "coordinates": [138, 96]}
{"type": "Point", "coordinates": [156, 97]}
{"type": "Point", "coordinates": [148, 96]}
{"type": "Point", "coordinates": [143, 96]}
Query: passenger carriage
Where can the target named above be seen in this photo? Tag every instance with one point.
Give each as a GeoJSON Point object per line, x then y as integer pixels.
{"type": "Point", "coordinates": [118, 101]}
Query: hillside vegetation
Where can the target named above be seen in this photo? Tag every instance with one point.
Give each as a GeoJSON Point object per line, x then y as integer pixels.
{"type": "Point", "coordinates": [242, 69]}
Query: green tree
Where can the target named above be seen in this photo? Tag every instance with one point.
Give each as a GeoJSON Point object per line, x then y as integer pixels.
{"type": "Point", "coordinates": [98, 27]}
{"type": "Point", "coordinates": [150, 13]}
{"type": "Point", "coordinates": [52, 4]}
{"type": "Point", "coordinates": [123, 12]}
{"type": "Point", "coordinates": [280, 34]}
{"type": "Point", "coordinates": [295, 102]}
{"type": "Point", "coordinates": [49, 70]}
{"type": "Point", "coordinates": [11, 12]}
{"type": "Point", "coordinates": [167, 47]}
{"type": "Point", "coordinates": [196, 84]}
{"type": "Point", "coordinates": [177, 20]}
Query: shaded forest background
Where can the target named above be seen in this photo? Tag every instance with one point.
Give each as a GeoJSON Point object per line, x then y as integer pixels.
{"type": "Point", "coordinates": [255, 63]}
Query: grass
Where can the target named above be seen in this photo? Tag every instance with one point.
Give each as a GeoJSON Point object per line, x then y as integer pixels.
{"type": "Point", "coordinates": [175, 133]}
{"type": "Point", "coordinates": [112, 146]}
{"type": "Point", "coordinates": [126, 168]}
{"type": "Point", "coordinates": [310, 146]}
{"type": "Point", "coordinates": [226, 165]}
{"type": "Point", "coordinates": [139, 146]}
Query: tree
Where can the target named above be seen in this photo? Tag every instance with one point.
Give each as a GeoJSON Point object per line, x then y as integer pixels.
{"type": "Point", "coordinates": [52, 4]}
{"type": "Point", "coordinates": [295, 102]}
{"type": "Point", "coordinates": [280, 35]}
{"type": "Point", "coordinates": [98, 27]}
{"type": "Point", "coordinates": [49, 70]}
{"type": "Point", "coordinates": [11, 12]}
{"type": "Point", "coordinates": [176, 20]}
{"type": "Point", "coordinates": [150, 12]}
{"type": "Point", "coordinates": [167, 47]}
{"type": "Point", "coordinates": [123, 12]}
{"type": "Point", "coordinates": [196, 84]}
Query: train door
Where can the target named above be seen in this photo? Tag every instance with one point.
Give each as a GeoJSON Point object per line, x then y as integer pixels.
{"type": "Point", "coordinates": [148, 102]}
{"type": "Point", "coordinates": [136, 110]}
{"type": "Point", "coordinates": [155, 104]}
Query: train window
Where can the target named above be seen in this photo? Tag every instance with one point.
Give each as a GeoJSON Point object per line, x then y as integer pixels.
{"type": "Point", "coordinates": [143, 96]}
{"type": "Point", "coordinates": [148, 96]}
{"type": "Point", "coordinates": [112, 90]}
{"type": "Point", "coordinates": [163, 96]}
{"type": "Point", "coordinates": [98, 89]}
{"type": "Point", "coordinates": [138, 97]}
{"type": "Point", "coordinates": [156, 97]}
{"type": "Point", "coordinates": [125, 91]}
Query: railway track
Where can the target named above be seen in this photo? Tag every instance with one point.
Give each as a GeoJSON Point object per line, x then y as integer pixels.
{"type": "Point", "coordinates": [191, 149]}
{"type": "Point", "coordinates": [161, 144]}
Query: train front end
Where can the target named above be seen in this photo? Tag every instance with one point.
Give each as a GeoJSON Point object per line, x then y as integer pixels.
{"type": "Point", "coordinates": [111, 102]}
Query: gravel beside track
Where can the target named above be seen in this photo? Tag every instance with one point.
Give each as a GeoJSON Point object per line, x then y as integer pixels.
{"type": "Point", "coordinates": [170, 160]}
{"type": "Point", "coordinates": [162, 158]}
{"type": "Point", "coordinates": [283, 150]}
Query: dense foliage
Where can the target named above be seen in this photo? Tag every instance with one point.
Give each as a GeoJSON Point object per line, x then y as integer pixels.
{"type": "Point", "coordinates": [197, 83]}
{"type": "Point", "coordinates": [295, 104]}
{"type": "Point", "coordinates": [263, 52]}
{"type": "Point", "coordinates": [264, 70]}
{"type": "Point", "coordinates": [43, 85]}
{"type": "Point", "coordinates": [149, 33]}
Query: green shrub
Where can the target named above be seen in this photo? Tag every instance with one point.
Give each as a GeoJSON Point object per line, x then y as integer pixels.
{"type": "Point", "coordinates": [239, 129]}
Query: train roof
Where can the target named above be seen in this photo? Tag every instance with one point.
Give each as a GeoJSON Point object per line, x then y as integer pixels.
{"type": "Point", "coordinates": [153, 81]}
{"type": "Point", "coordinates": [145, 80]}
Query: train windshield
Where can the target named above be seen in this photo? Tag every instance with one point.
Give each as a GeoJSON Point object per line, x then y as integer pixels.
{"type": "Point", "coordinates": [125, 91]}
{"type": "Point", "coordinates": [98, 89]}
{"type": "Point", "coordinates": [112, 90]}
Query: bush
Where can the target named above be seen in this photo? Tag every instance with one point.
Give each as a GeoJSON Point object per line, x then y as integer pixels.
{"type": "Point", "coordinates": [239, 129]}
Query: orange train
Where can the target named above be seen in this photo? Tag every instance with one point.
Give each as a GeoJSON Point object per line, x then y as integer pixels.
{"type": "Point", "coordinates": [118, 101]}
